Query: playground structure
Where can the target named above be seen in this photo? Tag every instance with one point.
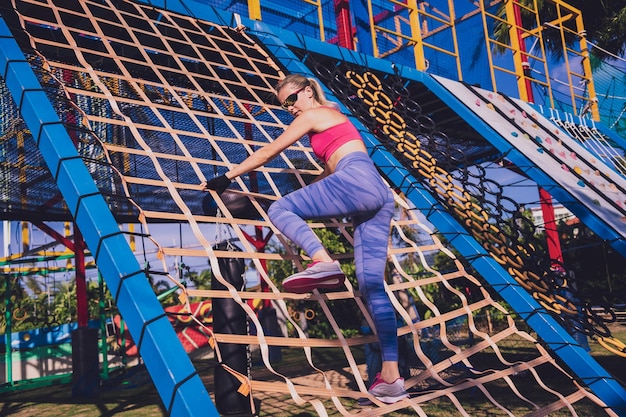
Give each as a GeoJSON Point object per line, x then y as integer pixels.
{"type": "Point", "coordinates": [134, 107]}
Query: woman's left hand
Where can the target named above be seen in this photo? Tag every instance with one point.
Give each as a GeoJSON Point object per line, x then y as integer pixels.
{"type": "Point", "coordinates": [217, 184]}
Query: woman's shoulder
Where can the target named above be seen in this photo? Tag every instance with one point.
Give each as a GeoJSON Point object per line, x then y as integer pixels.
{"type": "Point", "coordinates": [324, 117]}
{"type": "Point", "coordinates": [327, 111]}
{"type": "Point", "coordinates": [331, 106]}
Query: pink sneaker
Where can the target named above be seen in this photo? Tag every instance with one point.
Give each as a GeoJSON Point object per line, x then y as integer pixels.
{"type": "Point", "coordinates": [388, 393]}
{"type": "Point", "coordinates": [320, 275]}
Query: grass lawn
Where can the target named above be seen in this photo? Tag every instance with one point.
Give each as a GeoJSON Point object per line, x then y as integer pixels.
{"type": "Point", "coordinates": [131, 393]}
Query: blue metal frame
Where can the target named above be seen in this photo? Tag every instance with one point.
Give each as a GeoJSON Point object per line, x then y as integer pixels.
{"type": "Point", "coordinates": [177, 381]}
{"type": "Point", "coordinates": [588, 370]}
{"type": "Point", "coordinates": [179, 386]}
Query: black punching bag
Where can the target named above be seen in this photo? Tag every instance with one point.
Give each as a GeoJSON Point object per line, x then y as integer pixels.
{"type": "Point", "coordinates": [230, 318]}
{"type": "Point", "coordinates": [85, 362]}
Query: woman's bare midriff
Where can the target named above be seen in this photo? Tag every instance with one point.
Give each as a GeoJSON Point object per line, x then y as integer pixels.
{"type": "Point", "coordinates": [355, 145]}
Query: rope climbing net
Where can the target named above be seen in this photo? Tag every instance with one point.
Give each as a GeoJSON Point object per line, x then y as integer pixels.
{"type": "Point", "coordinates": [157, 102]}
{"type": "Point", "coordinates": [467, 175]}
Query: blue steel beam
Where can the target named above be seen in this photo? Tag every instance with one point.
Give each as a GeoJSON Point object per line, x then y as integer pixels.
{"type": "Point", "coordinates": [585, 367]}
{"type": "Point", "coordinates": [178, 383]}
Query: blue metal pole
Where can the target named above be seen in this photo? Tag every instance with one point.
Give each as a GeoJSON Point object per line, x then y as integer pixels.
{"type": "Point", "coordinates": [180, 387]}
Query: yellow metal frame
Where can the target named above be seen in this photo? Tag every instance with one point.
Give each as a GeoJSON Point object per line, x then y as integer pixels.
{"type": "Point", "coordinates": [254, 13]}
{"type": "Point", "coordinates": [565, 14]}
{"type": "Point", "coordinates": [517, 34]}
{"type": "Point", "coordinates": [254, 9]}
{"type": "Point", "coordinates": [587, 80]}
{"type": "Point", "coordinates": [418, 32]}
{"type": "Point", "coordinates": [320, 16]}
{"type": "Point", "coordinates": [410, 29]}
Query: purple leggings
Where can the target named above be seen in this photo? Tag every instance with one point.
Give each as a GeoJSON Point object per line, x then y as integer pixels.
{"type": "Point", "coordinates": [355, 189]}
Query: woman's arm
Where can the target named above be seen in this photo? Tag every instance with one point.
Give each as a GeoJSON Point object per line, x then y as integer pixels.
{"type": "Point", "coordinates": [300, 126]}
{"type": "Point", "coordinates": [315, 119]}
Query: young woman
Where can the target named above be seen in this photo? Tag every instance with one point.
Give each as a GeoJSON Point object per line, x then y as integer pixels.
{"type": "Point", "coordinates": [350, 186]}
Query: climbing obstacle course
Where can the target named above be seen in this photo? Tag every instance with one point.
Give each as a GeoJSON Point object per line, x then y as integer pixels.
{"type": "Point", "coordinates": [133, 107]}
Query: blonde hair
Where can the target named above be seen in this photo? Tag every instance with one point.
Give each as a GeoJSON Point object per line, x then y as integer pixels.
{"type": "Point", "coordinates": [300, 81]}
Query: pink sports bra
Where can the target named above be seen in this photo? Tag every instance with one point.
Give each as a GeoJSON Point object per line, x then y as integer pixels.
{"type": "Point", "coordinates": [326, 142]}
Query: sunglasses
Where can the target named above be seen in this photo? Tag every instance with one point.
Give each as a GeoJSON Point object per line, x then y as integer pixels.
{"type": "Point", "coordinates": [291, 99]}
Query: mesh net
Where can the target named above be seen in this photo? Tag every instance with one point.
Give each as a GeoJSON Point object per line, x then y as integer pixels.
{"type": "Point", "coordinates": [469, 177]}
{"type": "Point", "coordinates": [158, 102]}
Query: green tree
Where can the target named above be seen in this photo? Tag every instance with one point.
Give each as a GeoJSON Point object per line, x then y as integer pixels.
{"type": "Point", "coordinates": [346, 314]}
{"type": "Point", "coordinates": [604, 21]}
{"type": "Point", "coordinates": [20, 304]}
{"type": "Point", "coordinates": [35, 305]}
{"type": "Point", "coordinates": [200, 280]}
{"type": "Point", "coordinates": [63, 306]}
{"type": "Point", "coordinates": [599, 271]}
